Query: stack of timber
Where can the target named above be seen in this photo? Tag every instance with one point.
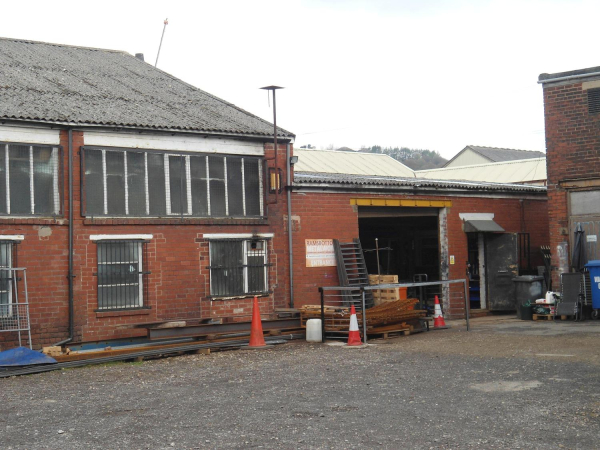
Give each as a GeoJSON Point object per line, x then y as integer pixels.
{"type": "Point", "coordinates": [384, 295]}
{"type": "Point", "coordinates": [393, 316]}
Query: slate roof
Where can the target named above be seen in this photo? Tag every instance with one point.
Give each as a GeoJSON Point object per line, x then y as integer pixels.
{"type": "Point", "coordinates": [344, 180]}
{"type": "Point", "coordinates": [65, 84]}
{"type": "Point", "coordinates": [495, 154]}
{"type": "Point", "coordinates": [579, 73]}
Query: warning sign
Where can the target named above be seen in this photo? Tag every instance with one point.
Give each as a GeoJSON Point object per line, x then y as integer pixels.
{"type": "Point", "coordinates": [319, 253]}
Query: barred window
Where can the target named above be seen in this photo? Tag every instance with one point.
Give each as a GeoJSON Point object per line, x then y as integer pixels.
{"type": "Point", "coordinates": [29, 180]}
{"type": "Point", "coordinates": [6, 262]}
{"type": "Point", "coordinates": [160, 184]}
{"type": "Point", "coordinates": [121, 274]}
{"type": "Point", "coordinates": [238, 267]}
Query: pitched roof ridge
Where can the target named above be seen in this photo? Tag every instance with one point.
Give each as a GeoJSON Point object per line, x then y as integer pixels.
{"type": "Point", "coordinates": [31, 41]}
{"type": "Point", "coordinates": [504, 148]}
{"type": "Point", "coordinates": [493, 163]}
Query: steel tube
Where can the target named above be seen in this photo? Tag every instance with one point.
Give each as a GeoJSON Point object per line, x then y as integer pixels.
{"type": "Point", "coordinates": [364, 316]}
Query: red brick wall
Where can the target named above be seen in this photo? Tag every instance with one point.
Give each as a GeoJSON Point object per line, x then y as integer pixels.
{"type": "Point", "coordinates": [331, 216]}
{"type": "Point", "coordinates": [178, 285]}
{"type": "Point", "coordinates": [572, 152]}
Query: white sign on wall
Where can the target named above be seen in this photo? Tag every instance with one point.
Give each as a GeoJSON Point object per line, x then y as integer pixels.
{"type": "Point", "coordinates": [320, 253]}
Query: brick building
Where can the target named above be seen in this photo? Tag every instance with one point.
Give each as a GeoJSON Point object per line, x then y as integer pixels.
{"type": "Point", "coordinates": [572, 117]}
{"type": "Point", "coordinates": [433, 227]}
{"type": "Point", "coordinates": [149, 195]}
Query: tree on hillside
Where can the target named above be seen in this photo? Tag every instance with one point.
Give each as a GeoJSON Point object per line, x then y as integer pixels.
{"type": "Point", "coordinates": [416, 159]}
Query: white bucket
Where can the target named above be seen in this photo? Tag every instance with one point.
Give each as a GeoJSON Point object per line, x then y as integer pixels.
{"type": "Point", "coordinates": [313, 330]}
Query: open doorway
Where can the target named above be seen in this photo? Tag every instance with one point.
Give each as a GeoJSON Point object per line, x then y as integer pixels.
{"type": "Point", "coordinates": [408, 240]}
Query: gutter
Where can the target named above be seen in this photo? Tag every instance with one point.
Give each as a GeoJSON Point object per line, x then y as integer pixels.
{"type": "Point", "coordinates": [70, 275]}
{"type": "Point", "coordinates": [569, 77]}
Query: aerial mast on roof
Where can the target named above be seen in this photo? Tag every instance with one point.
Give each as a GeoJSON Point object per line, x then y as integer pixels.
{"type": "Point", "coordinates": [161, 39]}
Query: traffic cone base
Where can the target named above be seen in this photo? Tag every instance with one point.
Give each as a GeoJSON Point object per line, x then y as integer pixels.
{"type": "Point", "coordinates": [438, 318]}
{"type": "Point", "coordinates": [257, 340]}
{"type": "Point", "coordinates": [353, 334]}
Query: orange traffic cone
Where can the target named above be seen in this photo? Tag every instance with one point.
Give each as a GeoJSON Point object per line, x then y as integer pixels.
{"type": "Point", "coordinates": [354, 334]}
{"type": "Point", "coordinates": [256, 332]}
{"type": "Point", "coordinates": [438, 318]}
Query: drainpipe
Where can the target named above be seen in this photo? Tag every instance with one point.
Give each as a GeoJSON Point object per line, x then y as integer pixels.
{"type": "Point", "coordinates": [70, 274]}
{"type": "Point", "coordinates": [289, 214]}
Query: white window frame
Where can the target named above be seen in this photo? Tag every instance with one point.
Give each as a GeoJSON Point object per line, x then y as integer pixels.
{"type": "Point", "coordinates": [188, 182]}
{"type": "Point", "coordinates": [10, 285]}
{"type": "Point", "coordinates": [246, 242]}
{"type": "Point", "coordinates": [138, 239]}
{"type": "Point", "coordinates": [55, 177]}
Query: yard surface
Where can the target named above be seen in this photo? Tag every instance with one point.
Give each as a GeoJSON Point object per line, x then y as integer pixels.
{"type": "Point", "coordinates": [505, 384]}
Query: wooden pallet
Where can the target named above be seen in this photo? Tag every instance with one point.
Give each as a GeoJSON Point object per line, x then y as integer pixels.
{"type": "Point", "coordinates": [543, 317]}
{"type": "Point", "coordinates": [390, 333]}
{"type": "Point", "coordinates": [565, 317]}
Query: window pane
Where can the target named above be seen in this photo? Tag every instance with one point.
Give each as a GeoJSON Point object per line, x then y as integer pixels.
{"type": "Point", "coordinates": [235, 187]}
{"type": "Point", "coordinates": [43, 180]}
{"type": "Point", "coordinates": [227, 273]}
{"type": "Point", "coordinates": [136, 183]}
{"type": "Point", "coordinates": [115, 183]}
{"type": "Point", "coordinates": [252, 186]}
{"type": "Point", "coordinates": [256, 266]}
{"type": "Point", "coordinates": [19, 177]}
{"type": "Point", "coordinates": [177, 185]}
{"type": "Point", "coordinates": [156, 184]}
{"type": "Point", "coordinates": [94, 185]}
{"type": "Point", "coordinates": [199, 196]}
{"type": "Point", "coordinates": [119, 274]}
{"type": "Point", "coordinates": [5, 287]}
{"type": "Point", "coordinates": [216, 167]}
{"type": "Point", "coordinates": [2, 179]}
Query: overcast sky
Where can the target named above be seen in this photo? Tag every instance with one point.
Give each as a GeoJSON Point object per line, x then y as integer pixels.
{"type": "Point", "coordinates": [435, 75]}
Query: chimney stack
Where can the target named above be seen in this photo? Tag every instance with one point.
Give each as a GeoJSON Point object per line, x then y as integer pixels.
{"type": "Point", "coordinates": [139, 56]}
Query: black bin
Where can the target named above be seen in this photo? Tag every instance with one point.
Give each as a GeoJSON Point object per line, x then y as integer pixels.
{"type": "Point", "coordinates": [528, 288]}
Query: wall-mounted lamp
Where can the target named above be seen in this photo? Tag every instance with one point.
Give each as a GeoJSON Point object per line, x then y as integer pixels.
{"type": "Point", "coordinates": [275, 180]}
{"type": "Point", "coordinates": [293, 160]}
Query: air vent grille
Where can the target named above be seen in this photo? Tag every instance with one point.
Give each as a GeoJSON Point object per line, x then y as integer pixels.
{"type": "Point", "coordinates": [594, 101]}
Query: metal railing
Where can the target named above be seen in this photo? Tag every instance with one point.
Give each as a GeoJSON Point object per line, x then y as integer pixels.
{"type": "Point", "coordinates": [14, 315]}
{"type": "Point", "coordinates": [333, 296]}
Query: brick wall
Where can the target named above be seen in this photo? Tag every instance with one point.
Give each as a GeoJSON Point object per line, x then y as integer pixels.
{"type": "Point", "coordinates": [178, 286]}
{"type": "Point", "coordinates": [572, 152]}
{"type": "Point", "coordinates": [331, 216]}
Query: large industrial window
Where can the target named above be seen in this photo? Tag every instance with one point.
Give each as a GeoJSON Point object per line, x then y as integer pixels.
{"type": "Point", "coordinates": [29, 180]}
{"type": "Point", "coordinates": [152, 184]}
{"type": "Point", "coordinates": [238, 267]}
{"type": "Point", "coordinates": [6, 262]}
{"type": "Point", "coordinates": [121, 274]}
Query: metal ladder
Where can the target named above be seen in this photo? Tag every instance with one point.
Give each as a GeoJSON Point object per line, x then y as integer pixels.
{"type": "Point", "coordinates": [352, 271]}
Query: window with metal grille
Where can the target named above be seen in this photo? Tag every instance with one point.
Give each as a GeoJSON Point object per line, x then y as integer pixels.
{"type": "Point", "coordinates": [30, 180]}
{"type": "Point", "coordinates": [138, 183]}
{"type": "Point", "coordinates": [238, 267]}
{"type": "Point", "coordinates": [6, 262]}
{"type": "Point", "coordinates": [121, 274]}
{"type": "Point", "coordinates": [593, 101]}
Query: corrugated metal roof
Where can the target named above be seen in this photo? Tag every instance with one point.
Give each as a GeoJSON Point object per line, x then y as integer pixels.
{"type": "Point", "coordinates": [313, 179]}
{"type": "Point", "coordinates": [59, 83]}
{"type": "Point", "coordinates": [520, 171]}
{"type": "Point", "coordinates": [355, 163]}
{"type": "Point", "coordinates": [506, 154]}
{"type": "Point", "coordinates": [495, 154]}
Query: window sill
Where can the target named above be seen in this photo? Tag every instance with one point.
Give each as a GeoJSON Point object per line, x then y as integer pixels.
{"type": "Point", "coordinates": [8, 220]}
{"type": "Point", "coordinates": [239, 297]}
{"type": "Point", "coordinates": [172, 221]}
{"type": "Point", "coordinates": [101, 313]}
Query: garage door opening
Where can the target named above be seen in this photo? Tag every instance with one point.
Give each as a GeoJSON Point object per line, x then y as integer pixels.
{"type": "Point", "coordinates": [408, 241]}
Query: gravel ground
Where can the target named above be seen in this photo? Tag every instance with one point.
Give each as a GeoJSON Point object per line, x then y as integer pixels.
{"type": "Point", "coordinates": [498, 386]}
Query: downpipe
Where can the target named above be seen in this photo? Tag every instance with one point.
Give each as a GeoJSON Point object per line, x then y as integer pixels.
{"type": "Point", "coordinates": [289, 220]}
{"type": "Point", "coordinates": [70, 273]}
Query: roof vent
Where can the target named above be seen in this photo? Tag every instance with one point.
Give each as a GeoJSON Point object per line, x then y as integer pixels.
{"type": "Point", "coordinates": [594, 101]}
{"type": "Point", "coordinates": [139, 56]}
